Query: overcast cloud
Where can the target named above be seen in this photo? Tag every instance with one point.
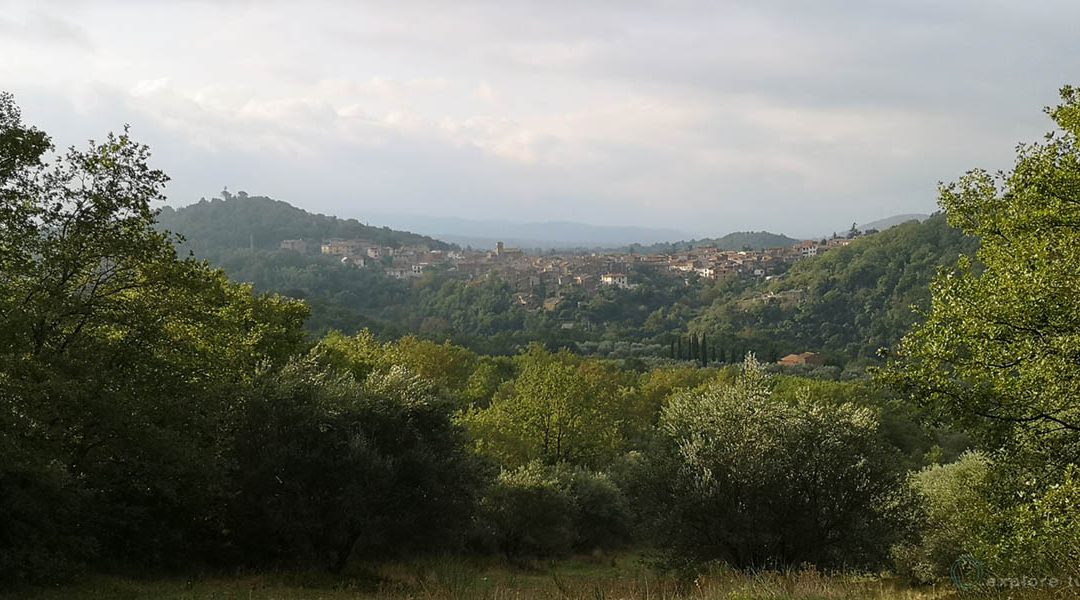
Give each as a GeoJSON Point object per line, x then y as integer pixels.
{"type": "Point", "coordinates": [704, 116]}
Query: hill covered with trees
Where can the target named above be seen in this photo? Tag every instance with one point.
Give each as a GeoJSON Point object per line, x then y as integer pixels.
{"type": "Point", "coordinates": [848, 303]}
{"type": "Point", "coordinates": [157, 416]}
{"type": "Point", "coordinates": [243, 221]}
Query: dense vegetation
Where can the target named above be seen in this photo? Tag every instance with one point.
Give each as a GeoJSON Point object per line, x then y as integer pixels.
{"type": "Point", "coordinates": [996, 354]}
{"type": "Point", "coordinates": [848, 303]}
{"type": "Point", "coordinates": [158, 416]}
{"type": "Point", "coordinates": [244, 221]}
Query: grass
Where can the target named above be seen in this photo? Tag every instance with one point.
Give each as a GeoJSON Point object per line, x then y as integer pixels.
{"type": "Point", "coordinates": [593, 578]}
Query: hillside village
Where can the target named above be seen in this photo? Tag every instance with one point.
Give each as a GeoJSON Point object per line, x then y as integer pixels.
{"type": "Point", "coordinates": [538, 279]}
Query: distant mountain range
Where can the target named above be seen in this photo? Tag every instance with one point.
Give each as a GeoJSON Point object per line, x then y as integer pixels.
{"type": "Point", "coordinates": [565, 235]}
{"type": "Point", "coordinates": [239, 221]}
{"type": "Point", "coordinates": [893, 221]}
{"type": "Point", "coordinates": [739, 240]}
{"type": "Point", "coordinates": [535, 236]}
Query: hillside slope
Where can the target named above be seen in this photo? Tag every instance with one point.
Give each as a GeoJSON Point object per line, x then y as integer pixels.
{"type": "Point", "coordinates": [241, 234]}
{"type": "Point", "coordinates": [242, 221]}
{"type": "Point", "coordinates": [848, 302]}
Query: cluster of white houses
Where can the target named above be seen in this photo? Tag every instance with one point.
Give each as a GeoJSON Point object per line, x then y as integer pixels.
{"type": "Point", "coordinates": [537, 279]}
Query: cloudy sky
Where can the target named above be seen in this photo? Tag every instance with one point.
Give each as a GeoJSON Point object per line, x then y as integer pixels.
{"type": "Point", "coordinates": [702, 116]}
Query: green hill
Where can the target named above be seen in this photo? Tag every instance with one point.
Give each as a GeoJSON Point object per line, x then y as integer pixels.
{"type": "Point", "coordinates": [243, 221]}
{"type": "Point", "coordinates": [738, 240]}
{"type": "Point", "coordinates": [849, 302]}
{"type": "Point", "coordinates": [752, 240]}
{"type": "Point", "coordinates": [241, 234]}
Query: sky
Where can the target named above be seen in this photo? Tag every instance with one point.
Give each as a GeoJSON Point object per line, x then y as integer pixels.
{"type": "Point", "coordinates": [707, 117]}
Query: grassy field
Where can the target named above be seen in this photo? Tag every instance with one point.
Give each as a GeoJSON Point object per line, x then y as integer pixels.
{"type": "Point", "coordinates": [622, 577]}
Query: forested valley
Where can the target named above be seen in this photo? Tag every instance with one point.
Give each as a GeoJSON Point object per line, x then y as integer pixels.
{"type": "Point", "coordinates": [380, 438]}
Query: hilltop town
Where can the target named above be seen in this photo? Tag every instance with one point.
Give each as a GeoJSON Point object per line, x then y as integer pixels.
{"type": "Point", "coordinates": [540, 279]}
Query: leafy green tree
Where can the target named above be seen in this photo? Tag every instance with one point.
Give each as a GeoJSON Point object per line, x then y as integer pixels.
{"type": "Point", "coordinates": [558, 409]}
{"type": "Point", "coordinates": [657, 385]}
{"type": "Point", "coordinates": [118, 362]}
{"type": "Point", "coordinates": [447, 366]}
{"type": "Point", "coordinates": [998, 350]}
{"type": "Point", "coordinates": [996, 354]}
{"type": "Point", "coordinates": [359, 354]}
{"type": "Point", "coordinates": [39, 499]}
{"type": "Point", "coordinates": [490, 374]}
{"type": "Point", "coordinates": [1040, 534]}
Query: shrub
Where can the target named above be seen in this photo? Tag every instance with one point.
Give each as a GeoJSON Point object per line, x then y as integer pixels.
{"type": "Point", "coordinates": [752, 480]}
{"type": "Point", "coordinates": [601, 518]}
{"type": "Point", "coordinates": [1039, 536]}
{"type": "Point", "coordinates": [954, 510]}
{"type": "Point", "coordinates": [538, 510]}
{"type": "Point", "coordinates": [327, 466]}
{"type": "Point", "coordinates": [529, 513]}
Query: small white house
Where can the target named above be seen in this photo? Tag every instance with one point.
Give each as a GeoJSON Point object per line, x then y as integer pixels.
{"type": "Point", "coordinates": [619, 280]}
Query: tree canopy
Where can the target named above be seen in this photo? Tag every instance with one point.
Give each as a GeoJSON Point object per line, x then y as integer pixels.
{"type": "Point", "coordinates": [999, 348]}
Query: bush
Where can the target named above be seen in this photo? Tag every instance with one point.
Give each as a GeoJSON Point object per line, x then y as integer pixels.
{"type": "Point", "coordinates": [954, 510]}
{"type": "Point", "coordinates": [1010, 521]}
{"type": "Point", "coordinates": [529, 513]}
{"type": "Point", "coordinates": [752, 480]}
{"type": "Point", "coordinates": [601, 517]}
{"type": "Point", "coordinates": [1039, 536]}
{"type": "Point", "coordinates": [541, 511]}
{"type": "Point", "coordinates": [327, 466]}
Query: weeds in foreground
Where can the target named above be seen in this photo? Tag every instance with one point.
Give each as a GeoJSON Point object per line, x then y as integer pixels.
{"type": "Point", "coordinates": [592, 578]}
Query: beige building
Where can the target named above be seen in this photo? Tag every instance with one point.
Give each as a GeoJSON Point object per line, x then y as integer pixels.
{"type": "Point", "coordinates": [337, 247]}
{"type": "Point", "coordinates": [300, 246]}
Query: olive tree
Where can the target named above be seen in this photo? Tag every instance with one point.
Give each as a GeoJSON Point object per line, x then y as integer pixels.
{"type": "Point", "coordinates": [741, 476]}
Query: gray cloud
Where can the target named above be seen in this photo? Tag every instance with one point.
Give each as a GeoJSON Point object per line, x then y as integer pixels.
{"type": "Point", "coordinates": [699, 115]}
{"type": "Point", "coordinates": [38, 27]}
